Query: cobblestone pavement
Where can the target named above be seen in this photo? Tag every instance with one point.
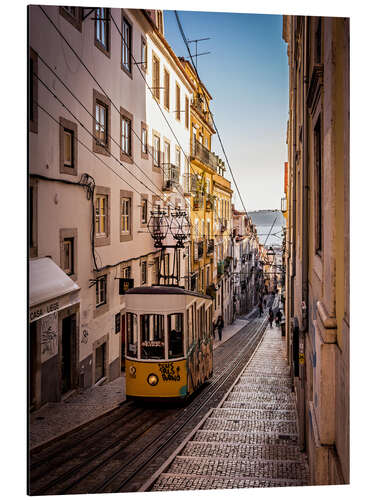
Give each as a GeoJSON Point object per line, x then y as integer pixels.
{"type": "Point", "coordinates": [56, 419]}
{"type": "Point", "coordinates": [251, 439]}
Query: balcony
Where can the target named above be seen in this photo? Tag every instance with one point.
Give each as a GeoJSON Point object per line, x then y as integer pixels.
{"type": "Point", "coordinates": [210, 246]}
{"type": "Point", "coordinates": [210, 201]}
{"type": "Point", "coordinates": [223, 225]}
{"type": "Point", "coordinates": [198, 201]}
{"type": "Point", "coordinates": [198, 103]}
{"type": "Point", "coordinates": [220, 268]}
{"type": "Point", "coordinates": [198, 250]}
{"type": "Point", "coordinates": [171, 176]}
{"type": "Point", "coordinates": [205, 155]}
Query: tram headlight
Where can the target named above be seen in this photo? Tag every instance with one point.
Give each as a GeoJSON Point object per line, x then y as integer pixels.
{"type": "Point", "coordinates": [153, 379]}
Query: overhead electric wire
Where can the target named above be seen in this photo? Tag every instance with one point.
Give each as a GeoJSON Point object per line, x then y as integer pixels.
{"type": "Point", "coordinates": [213, 121]}
{"type": "Point", "coordinates": [92, 116]}
{"type": "Point", "coordinates": [95, 80]}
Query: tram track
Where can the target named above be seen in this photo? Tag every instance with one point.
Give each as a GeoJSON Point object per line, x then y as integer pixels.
{"type": "Point", "coordinates": [131, 456]}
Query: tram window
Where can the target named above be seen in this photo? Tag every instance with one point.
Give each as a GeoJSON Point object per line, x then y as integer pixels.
{"type": "Point", "coordinates": [152, 336]}
{"type": "Point", "coordinates": [175, 335]}
{"type": "Point", "coordinates": [131, 335]}
{"type": "Point", "coordinates": [194, 321]}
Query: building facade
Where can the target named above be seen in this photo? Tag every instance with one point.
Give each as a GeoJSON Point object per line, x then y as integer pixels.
{"type": "Point", "coordinates": [101, 157]}
{"type": "Point", "coordinates": [317, 239]}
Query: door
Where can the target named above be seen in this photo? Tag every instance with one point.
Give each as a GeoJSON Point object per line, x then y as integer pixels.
{"type": "Point", "coordinates": [123, 342]}
{"type": "Point", "coordinates": [67, 353]}
{"type": "Point", "coordinates": [100, 362]}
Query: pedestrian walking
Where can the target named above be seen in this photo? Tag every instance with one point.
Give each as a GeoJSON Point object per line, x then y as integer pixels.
{"type": "Point", "coordinates": [265, 302]}
{"type": "Point", "coordinates": [279, 315]}
{"type": "Point", "coordinates": [220, 326]}
{"type": "Point", "coordinates": [260, 308]}
{"type": "Point", "coordinates": [270, 317]}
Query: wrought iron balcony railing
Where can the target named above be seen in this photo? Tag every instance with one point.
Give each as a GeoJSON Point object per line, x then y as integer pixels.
{"type": "Point", "coordinates": [198, 250]}
{"type": "Point", "coordinates": [205, 155]}
{"type": "Point", "coordinates": [210, 246]}
{"type": "Point", "coordinates": [171, 176]}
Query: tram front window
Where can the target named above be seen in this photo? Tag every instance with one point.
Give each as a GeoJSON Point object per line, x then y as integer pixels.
{"type": "Point", "coordinates": [175, 336]}
{"type": "Point", "coordinates": [131, 335]}
{"type": "Point", "coordinates": [152, 336]}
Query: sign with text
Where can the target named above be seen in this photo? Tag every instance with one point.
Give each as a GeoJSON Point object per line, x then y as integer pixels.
{"type": "Point", "coordinates": [125, 284]}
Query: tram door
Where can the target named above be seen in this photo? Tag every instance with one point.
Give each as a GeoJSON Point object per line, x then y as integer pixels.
{"type": "Point", "coordinates": [123, 343]}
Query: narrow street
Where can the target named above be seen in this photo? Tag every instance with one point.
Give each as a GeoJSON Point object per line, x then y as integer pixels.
{"type": "Point", "coordinates": [121, 450]}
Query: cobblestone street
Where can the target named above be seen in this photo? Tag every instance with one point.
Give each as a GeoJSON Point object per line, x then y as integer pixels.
{"type": "Point", "coordinates": [251, 439]}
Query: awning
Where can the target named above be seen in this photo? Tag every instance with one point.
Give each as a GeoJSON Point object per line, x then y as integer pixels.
{"type": "Point", "coordinates": [50, 289]}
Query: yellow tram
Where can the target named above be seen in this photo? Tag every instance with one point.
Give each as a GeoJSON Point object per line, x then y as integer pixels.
{"type": "Point", "coordinates": [168, 344]}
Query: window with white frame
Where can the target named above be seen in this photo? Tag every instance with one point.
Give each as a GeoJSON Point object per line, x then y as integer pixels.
{"type": "Point", "coordinates": [101, 124]}
{"type": "Point", "coordinates": [68, 256]}
{"type": "Point", "coordinates": [144, 54]}
{"type": "Point", "coordinates": [167, 153]}
{"type": "Point", "coordinates": [178, 157]}
{"type": "Point", "coordinates": [68, 148]}
{"type": "Point", "coordinates": [101, 215]}
{"type": "Point", "coordinates": [156, 147]}
{"type": "Point", "coordinates": [144, 139]}
{"type": "Point", "coordinates": [178, 102]}
{"type": "Point", "coordinates": [127, 271]}
{"type": "Point", "coordinates": [101, 28]}
{"type": "Point", "coordinates": [126, 45]}
{"type": "Point", "coordinates": [126, 126]}
{"type": "Point", "coordinates": [125, 215]}
{"type": "Point", "coordinates": [101, 291]}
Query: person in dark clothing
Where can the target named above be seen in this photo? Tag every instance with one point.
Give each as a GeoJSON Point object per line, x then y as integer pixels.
{"type": "Point", "coordinates": [260, 308]}
{"type": "Point", "coordinates": [220, 326]}
{"type": "Point", "coordinates": [279, 315]}
{"type": "Point", "coordinates": [270, 317]}
{"type": "Point", "coordinates": [265, 302]}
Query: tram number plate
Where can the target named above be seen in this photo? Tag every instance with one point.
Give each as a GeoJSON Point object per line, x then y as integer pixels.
{"type": "Point", "coordinates": [169, 373]}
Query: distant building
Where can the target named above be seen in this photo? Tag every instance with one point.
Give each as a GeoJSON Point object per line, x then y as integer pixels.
{"type": "Point", "coordinates": [317, 239]}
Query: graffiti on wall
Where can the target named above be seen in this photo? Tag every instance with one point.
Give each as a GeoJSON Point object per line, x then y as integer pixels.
{"type": "Point", "coordinates": [200, 363]}
{"type": "Point", "coordinates": [49, 336]}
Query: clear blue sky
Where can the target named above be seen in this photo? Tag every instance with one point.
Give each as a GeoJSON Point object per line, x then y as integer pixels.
{"type": "Point", "coordinates": [247, 76]}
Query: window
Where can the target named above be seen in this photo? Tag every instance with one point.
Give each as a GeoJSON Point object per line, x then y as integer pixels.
{"type": "Point", "coordinates": [102, 124]}
{"type": "Point", "coordinates": [101, 291]}
{"type": "Point", "coordinates": [68, 256]}
{"type": "Point", "coordinates": [126, 46]}
{"type": "Point", "coordinates": [68, 147]}
{"type": "Point", "coordinates": [101, 116]}
{"type": "Point", "coordinates": [144, 272]}
{"type": "Point", "coordinates": [144, 139]}
{"type": "Point", "coordinates": [144, 54]}
{"type": "Point", "coordinates": [166, 89]}
{"type": "Point", "coordinates": [156, 77]}
{"type": "Point", "coordinates": [159, 21]}
{"type": "Point", "coordinates": [102, 38]}
{"type": "Point", "coordinates": [102, 220]}
{"type": "Point", "coordinates": [131, 335]}
{"type": "Point", "coordinates": [127, 272]}
{"type": "Point", "coordinates": [33, 91]}
{"type": "Point", "coordinates": [125, 215]}
{"type": "Point", "coordinates": [178, 157]}
{"type": "Point", "coordinates": [126, 137]}
{"type": "Point", "coordinates": [156, 150]}
{"type": "Point", "coordinates": [175, 335]}
{"type": "Point", "coordinates": [152, 336]}
{"type": "Point", "coordinates": [167, 153]}
{"type": "Point", "coordinates": [186, 112]}
{"type": "Point", "coordinates": [318, 187]}
{"type": "Point", "coordinates": [156, 271]}
{"type": "Point", "coordinates": [101, 215]}
{"type": "Point", "coordinates": [178, 102]}
{"type": "Point", "coordinates": [73, 15]}
{"type": "Point", "coordinates": [144, 211]}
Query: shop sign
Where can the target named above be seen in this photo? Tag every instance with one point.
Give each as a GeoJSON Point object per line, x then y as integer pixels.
{"type": "Point", "coordinates": [52, 306]}
{"type": "Point", "coordinates": [49, 336]}
{"type": "Point", "coordinates": [125, 284]}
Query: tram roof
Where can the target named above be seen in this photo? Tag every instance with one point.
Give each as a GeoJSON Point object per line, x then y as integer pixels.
{"type": "Point", "coordinates": [164, 290]}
